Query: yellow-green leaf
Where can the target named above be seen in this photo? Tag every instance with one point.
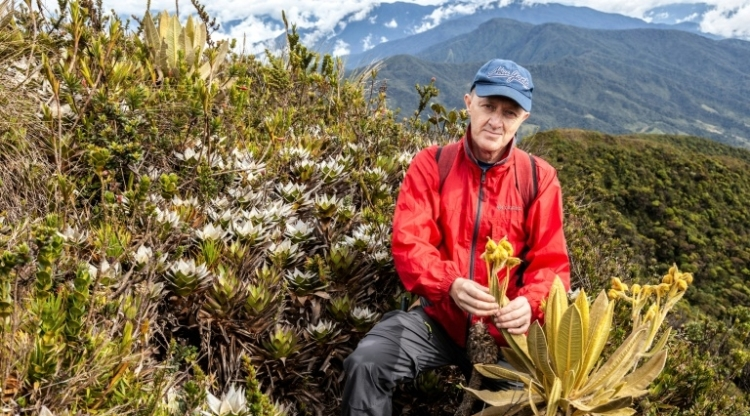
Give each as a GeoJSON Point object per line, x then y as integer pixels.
{"type": "Point", "coordinates": [582, 302]}
{"type": "Point", "coordinates": [539, 353]}
{"type": "Point", "coordinates": [661, 343]}
{"type": "Point", "coordinates": [637, 381]}
{"type": "Point", "coordinates": [553, 312]}
{"type": "Point", "coordinates": [518, 344]}
{"type": "Point", "coordinates": [553, 397]}
{"type": "Point", "coordinates": [150, 33]}
{"type": "Point", "coordinates": [186, 45]}
{"type": "Point", "coordinates": [568, 381]}
{"type": "Point", "coordinates": [517, 362]}
{"type": "Point", "coordinates": [619, 412]}
{"type": "Point", "coordinates": [164, 21]}
{"type": "Point", "coordinates": [172, 39]}
{"type": "Point", "coordinates": [569, 348]}
{"type": "Point", "coordinates": [619, 363]}
{"type": "Point", "coordinates": [499, 398]}
{"type": "Point", "coordinates": [495, 371]}
{"type": "Point", "coordinates": [610, 405]}
{"type": "Point", "coordinates": [601, 321]}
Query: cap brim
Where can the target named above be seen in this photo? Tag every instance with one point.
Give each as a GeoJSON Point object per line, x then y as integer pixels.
{"type": "Point", "coordinates": [484, 90]}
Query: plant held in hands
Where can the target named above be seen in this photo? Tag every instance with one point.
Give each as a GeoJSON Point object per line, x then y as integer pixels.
{"type": "Point", "coordinates": [560, 363]}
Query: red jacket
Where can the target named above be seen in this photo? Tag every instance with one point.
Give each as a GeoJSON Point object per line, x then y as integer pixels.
{"type": "Point", "coordinates": [437, 238]}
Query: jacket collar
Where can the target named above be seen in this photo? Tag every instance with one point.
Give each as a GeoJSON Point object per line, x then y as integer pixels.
{"type": "Point", "coordinates": [508, 152]}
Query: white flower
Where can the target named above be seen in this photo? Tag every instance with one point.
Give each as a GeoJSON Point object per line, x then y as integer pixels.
{"type": "Point", "coordinates": [189, 155]}
{"type": "Point", "coordinates": [278, 211]}
{"type": "Point", "coordinates": [143, 255]}
{"type": "Point", "coordinates": [220, 203]}
{"type": "Point", "coordinates": [93, 271]}
{"type": "Point", "coordinates": [322, 330]}
{"type": "Point", "coordinates": [331, 170]}
{"type": "Point", "coordinates": [249, 232]}
{"type": "Point", "coordinates": [45, 411]}
{"type": "Point", "coordinates": [73, 235]}
{"type": "Point", "coordinates": [109, 270]}
{"type": "Point", "coordinates": [381, 256]}
{"type": "Point", "coordinates": [363, 315]}
{"type": "Point", "coordinates": [169, 218]}
{"type": "Point", "coordinates": [188, 202]}
{"type": "Point", "coordinates": [232, 402]}
{"type": "Point", "coordinates": [223, 217]}
{"type": "Point", "coordinates": [209, 232]}
{"type": "Point", "coordinates": [296, 152]}
{"type": "Point", "coordinates": [299, 230]}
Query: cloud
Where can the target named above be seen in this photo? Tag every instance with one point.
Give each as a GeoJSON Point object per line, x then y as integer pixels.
{"type": "Point", "coordinates": [251, 21]}
{"type": "Point", "coordinates": [456, 9]}
{"type": "Point", "coordinates": [367, 42]}
{"type": "Point", "coordinates": [690, 18]}
{"type": "Point", "coordinates": [341, 48]}
{"type": "Point", "coordinates": [392, 24]}
{"type": "Point", "coordinates": [731, 19]}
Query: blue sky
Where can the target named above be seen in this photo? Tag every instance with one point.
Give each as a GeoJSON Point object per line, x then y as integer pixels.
{"type": "Point", "coordinates": [731, 18]}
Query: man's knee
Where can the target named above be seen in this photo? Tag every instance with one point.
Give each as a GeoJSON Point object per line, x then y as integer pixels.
{"type": "Point", "coordinates": [364, 359]}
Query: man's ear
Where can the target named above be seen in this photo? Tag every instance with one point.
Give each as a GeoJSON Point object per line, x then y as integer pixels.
{"type": "Point", "coordinates": [467, 101]}
{"type": "Point", "coordinates": [525, 116]}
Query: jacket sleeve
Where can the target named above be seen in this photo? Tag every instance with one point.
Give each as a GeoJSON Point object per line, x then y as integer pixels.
{"type": "Point", "coordinates": [416, 235]}
{"type": "Point", "coordinates": [548, 255]}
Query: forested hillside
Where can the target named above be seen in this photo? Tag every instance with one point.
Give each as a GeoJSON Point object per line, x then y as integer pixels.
{"type": "Point", "coordinates": [185, 230]}
{"type": "Point", "coordinates": [672, 199]}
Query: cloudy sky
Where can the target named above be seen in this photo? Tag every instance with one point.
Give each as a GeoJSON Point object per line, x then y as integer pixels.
{"type": "Point", "coordinates": [731, 18]}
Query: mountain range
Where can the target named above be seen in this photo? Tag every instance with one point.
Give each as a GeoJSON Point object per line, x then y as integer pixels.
{"type": "Point", "coordinates": [614, 81]}
{"type": "Point", "coordinates": [395, 28]}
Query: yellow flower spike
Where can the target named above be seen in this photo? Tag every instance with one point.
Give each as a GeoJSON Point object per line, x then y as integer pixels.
{"type": "Point", "coordinates": [617, 284]}
{"type": "Point", "coordinates": [636, 289]}
{"type": "Point", "coordinates": [673, 270]}
{"type": "Point", "coordinates": [613, 294]}
{"type": "Point", "coordinates": [513, 262]}
{"type": "Point", "coordinates": [663, 289]}
{"type": "Point", "coordinates": [491, 246]}
{"type": "Point", "coordinates": [507, 246]}
{"type": "Point", "coordinates": [682, 285]}
{"type": "Point", "coordinates": [668, 278]}
{"type": "Point", "coordinates": [688, 278]}
{"type": "Point", "coordinates": [647, 290]}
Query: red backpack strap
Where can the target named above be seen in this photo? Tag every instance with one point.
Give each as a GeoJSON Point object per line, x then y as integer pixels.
{"type": "Point", "coordinates": [445, 157]}
{"type": "Point", "coordinates": [526, 179]}
{"type": "Point", "coordinates": [527, 184]}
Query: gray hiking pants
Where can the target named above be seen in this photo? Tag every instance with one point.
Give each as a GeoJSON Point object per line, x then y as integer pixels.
{"type": "Point", "coordinates": [398, 348]}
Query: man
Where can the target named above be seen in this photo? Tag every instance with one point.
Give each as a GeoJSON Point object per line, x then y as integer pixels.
{"type": "Point", "coordinates": [439, 233]}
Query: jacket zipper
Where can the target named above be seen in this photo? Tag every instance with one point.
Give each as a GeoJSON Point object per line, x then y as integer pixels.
{"type": "Point", "coordinates": [474, 238]}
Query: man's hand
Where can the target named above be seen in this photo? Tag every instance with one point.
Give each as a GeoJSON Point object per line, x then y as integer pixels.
{"type": "Point", "coordinates": [515, 316]}
{"type": "Point", "coordinates": [473, 298]}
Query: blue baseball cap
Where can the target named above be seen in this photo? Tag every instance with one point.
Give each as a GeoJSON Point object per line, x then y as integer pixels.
{"type": "Point", "coordinates": [504, 78]}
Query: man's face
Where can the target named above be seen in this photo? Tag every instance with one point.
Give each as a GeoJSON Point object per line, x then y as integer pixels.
{"type": "Point", "coordinates": [494, 122]}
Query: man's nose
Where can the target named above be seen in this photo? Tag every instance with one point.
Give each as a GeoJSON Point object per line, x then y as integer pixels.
{"type": "Point", "coordinates": [496, 121]}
